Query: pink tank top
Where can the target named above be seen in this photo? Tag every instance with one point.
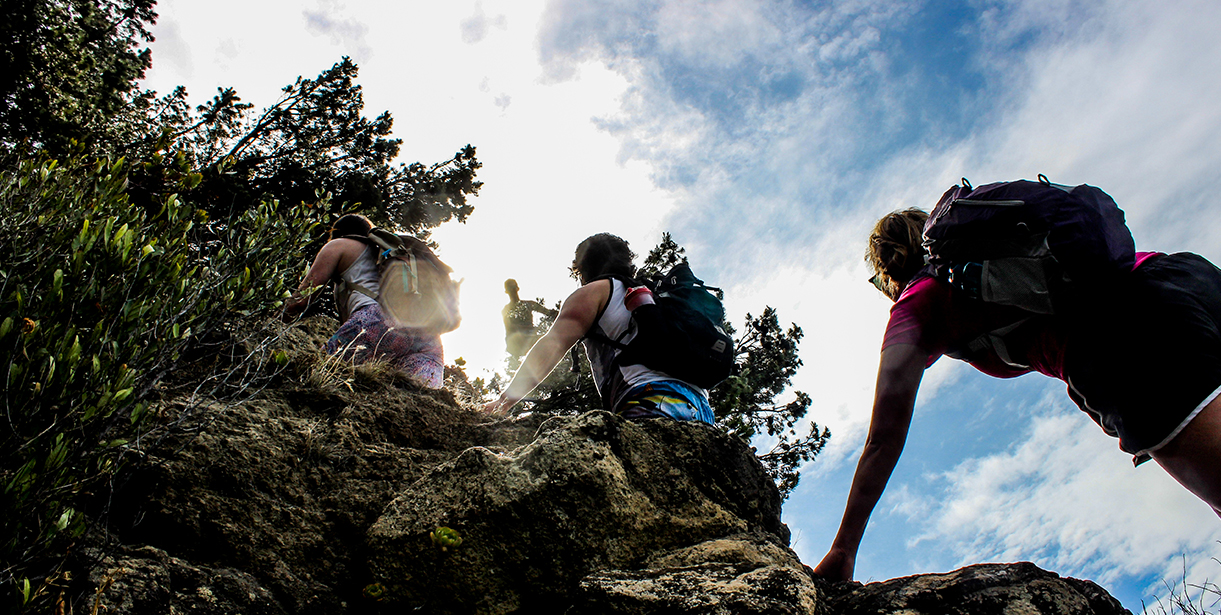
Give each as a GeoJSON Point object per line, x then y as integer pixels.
{"type": "Point", "coordinates": [927, 315]}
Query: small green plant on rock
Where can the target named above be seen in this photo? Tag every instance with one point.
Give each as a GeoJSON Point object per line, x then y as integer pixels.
{"type": "Point", "coordinates": [375, 591]}
{"type": "Point", "coordinates": [445, 538]}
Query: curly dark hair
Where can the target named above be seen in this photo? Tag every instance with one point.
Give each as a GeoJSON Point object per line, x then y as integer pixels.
{"type": "Point", "coordinates": [603, 254]}
{"type": "Point", "coordinates": [351, 224]}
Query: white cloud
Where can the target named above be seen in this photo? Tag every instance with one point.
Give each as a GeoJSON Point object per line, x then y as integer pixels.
{"type": "Point", "coordinates": [475, 28]}
{"type": "Point", "coordinates": [347, 33]}
{"type": "Point", "coordinates": [172, 49]}
{"type": "Point", "coordinates": [718, 33]}
{"type": "Point", "coordinates": [228, 48]}
{"type": "Point", "coordinates": [1068, 500]}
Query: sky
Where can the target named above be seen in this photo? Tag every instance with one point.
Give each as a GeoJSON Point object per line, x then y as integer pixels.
{"type": "Point", "coordinates": [767, 136]}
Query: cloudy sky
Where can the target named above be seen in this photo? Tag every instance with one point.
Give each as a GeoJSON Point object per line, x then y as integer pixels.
{"type": "Point", "coordinates": [767, 136]}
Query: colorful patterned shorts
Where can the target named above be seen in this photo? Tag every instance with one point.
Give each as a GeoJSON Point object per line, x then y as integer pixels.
{"type": "Point", "coordinates": [669, 398]}
{"type": "Point", "coordinates": [366, 336]}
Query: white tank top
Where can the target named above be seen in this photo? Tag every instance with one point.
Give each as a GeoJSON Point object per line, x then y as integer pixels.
{"type": "Point", "coordinates": [364, 272]}
{"type": "Point", "coordinates": [616, 323]}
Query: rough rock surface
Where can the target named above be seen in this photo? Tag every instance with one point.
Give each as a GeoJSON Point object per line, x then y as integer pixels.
{"type": "Point", "coordinates": [590, 493]}
{"type": "Point", "coordinates": [983, 589]}
{"type": "Point", "coordinates": [285, 485]}
{"type": "Point", "coordinates": [317, 498]}
{"type": "Point", "coordinates": [146, 580]}
{"type": "Point", "coordinates": [746, 574]}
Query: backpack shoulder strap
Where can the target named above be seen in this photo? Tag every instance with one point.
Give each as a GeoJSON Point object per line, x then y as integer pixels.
{"type": "Point", "coordinates": [358, 288]}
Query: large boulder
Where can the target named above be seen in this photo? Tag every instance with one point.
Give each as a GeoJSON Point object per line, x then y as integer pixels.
{"type": "Point", "coordinates": [146, 580]}
{"type": "Point", "coordinates": [744, 574]}
{"type": "Point", "coordinates": [590, 493]}
{"type": "Point", "coordinates": [285, 485]}
{"type": "Point", "coordinates": [983, 589]}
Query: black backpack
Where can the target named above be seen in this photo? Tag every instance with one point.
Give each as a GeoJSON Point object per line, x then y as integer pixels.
{"type": "Point", "coordinates": [1042, 247]}
{"type": "Point", "coordinates": [681, 333]}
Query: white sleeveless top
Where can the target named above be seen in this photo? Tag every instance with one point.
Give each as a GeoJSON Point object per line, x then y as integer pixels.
{"type": "Point", "coordinates": [364, 272]}
{"type": "Point", "coordinates": [616, 323]}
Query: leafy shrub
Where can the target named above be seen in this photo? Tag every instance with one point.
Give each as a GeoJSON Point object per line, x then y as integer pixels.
{"type": "Point", "coordinates": [103, 299]}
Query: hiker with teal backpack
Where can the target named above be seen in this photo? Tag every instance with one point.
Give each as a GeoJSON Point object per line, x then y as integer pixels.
{"type": "Point", "coordinates": [1023, 276]}
{"type": "Point", "coordinates": [651, 354]}
{"type": "Point", "coordinates": [381, 318]}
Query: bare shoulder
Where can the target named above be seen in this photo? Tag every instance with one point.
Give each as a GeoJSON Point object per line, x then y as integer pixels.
{"type": "Point", "coordinates": [588, 300]}
{"type": "Point", "coordinates": [345, 251]}
{"type": "Point", "coordinates": [343, 245]}
{"type": "Point", "coordinates": [333, 259]}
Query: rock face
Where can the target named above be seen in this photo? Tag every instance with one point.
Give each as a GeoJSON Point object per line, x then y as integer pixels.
{"type": "Point", "coordinates": [590, 493]}
{"type": "Point", "coordinates": [1009, 589]}
{"type": "Point", "coordinates": [743, 574]}
{"type": "Point", "coordinates": [323, 499]}
{"type": "Point", "coordinates": [146, 580]}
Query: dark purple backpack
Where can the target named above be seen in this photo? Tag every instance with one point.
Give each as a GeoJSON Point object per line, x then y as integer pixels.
{"type": "Point", "coordinates": [1035, 245]}
{"type": "Point", "coordinates": [1039, 246]}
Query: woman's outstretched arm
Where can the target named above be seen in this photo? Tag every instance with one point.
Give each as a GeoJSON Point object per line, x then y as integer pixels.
{"type": "Point", "coordinates": [899, 374]}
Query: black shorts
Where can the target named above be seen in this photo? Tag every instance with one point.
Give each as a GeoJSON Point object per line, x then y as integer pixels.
{"type": "Point", "coordinates": [1148, 358]}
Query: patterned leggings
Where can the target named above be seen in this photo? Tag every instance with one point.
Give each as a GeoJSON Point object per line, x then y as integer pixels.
{"type": "Point", "coordinates": [366, 336]}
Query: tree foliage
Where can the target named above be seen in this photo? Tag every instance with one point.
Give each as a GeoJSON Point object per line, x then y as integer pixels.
{"type": "Point", "coordinates": [70, 81]}
{"type": "Point", "coordinates": [103, 301]}
{"type": "Point", "coordinates": [69, 66]}
{"type": "Point", "coordinates": [314, 140]}
{"type": "Point", "coordinates": [139, 233]}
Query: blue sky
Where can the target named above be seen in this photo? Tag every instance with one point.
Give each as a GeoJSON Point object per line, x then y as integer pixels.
{"type": "Point", "coordinates": [768, 136]}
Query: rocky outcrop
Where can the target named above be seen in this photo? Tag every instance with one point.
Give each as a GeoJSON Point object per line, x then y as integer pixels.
{"type": "Point", "coordinates": [147, 580]}
{"type": "Point", "coordinates": [743, 574]}
{"type": "Point", "coordinates": [315, 498]}
{"type": "Point", "coordinates": [286, 485]}
{"type": "Point", "coordinates": [589, 493]}
{"type": "Point", "coordinates": [985, 589]}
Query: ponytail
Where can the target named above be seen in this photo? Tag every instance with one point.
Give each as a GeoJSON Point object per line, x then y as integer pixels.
{"type": "Point", "coordinates": [896, 251]}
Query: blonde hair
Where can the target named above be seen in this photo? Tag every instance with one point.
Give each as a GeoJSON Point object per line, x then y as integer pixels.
{"type": "Point", "coordinates": [896, 251]}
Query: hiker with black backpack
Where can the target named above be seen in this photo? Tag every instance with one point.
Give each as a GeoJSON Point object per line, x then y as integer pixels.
{"type": "Point", "coordinates": [1026, 276]}
{"type": "Point", "coordinates": [652, 355]}
{"type": "Point", "coordinates": [374, 323]}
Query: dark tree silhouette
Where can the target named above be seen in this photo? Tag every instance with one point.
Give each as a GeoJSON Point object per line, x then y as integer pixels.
{"type": "Point", "coordinates": [69, 66]}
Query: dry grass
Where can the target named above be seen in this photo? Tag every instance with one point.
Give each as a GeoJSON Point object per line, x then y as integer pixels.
{"type": "Point", "coordinates": [1187, 598]}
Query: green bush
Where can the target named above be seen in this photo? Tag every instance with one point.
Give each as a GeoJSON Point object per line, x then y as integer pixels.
{"type": "Point", "coordinates": [102, 300]}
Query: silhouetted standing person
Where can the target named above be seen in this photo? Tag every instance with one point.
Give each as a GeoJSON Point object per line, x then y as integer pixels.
{"type": "Point", "coordinates": [519, 321]}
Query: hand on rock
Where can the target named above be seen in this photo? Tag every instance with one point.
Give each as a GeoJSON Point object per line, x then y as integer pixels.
{"type": "Point", "coordinates": [497, 407]}
{"type": "Point", "coordinates": [837, 565]}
